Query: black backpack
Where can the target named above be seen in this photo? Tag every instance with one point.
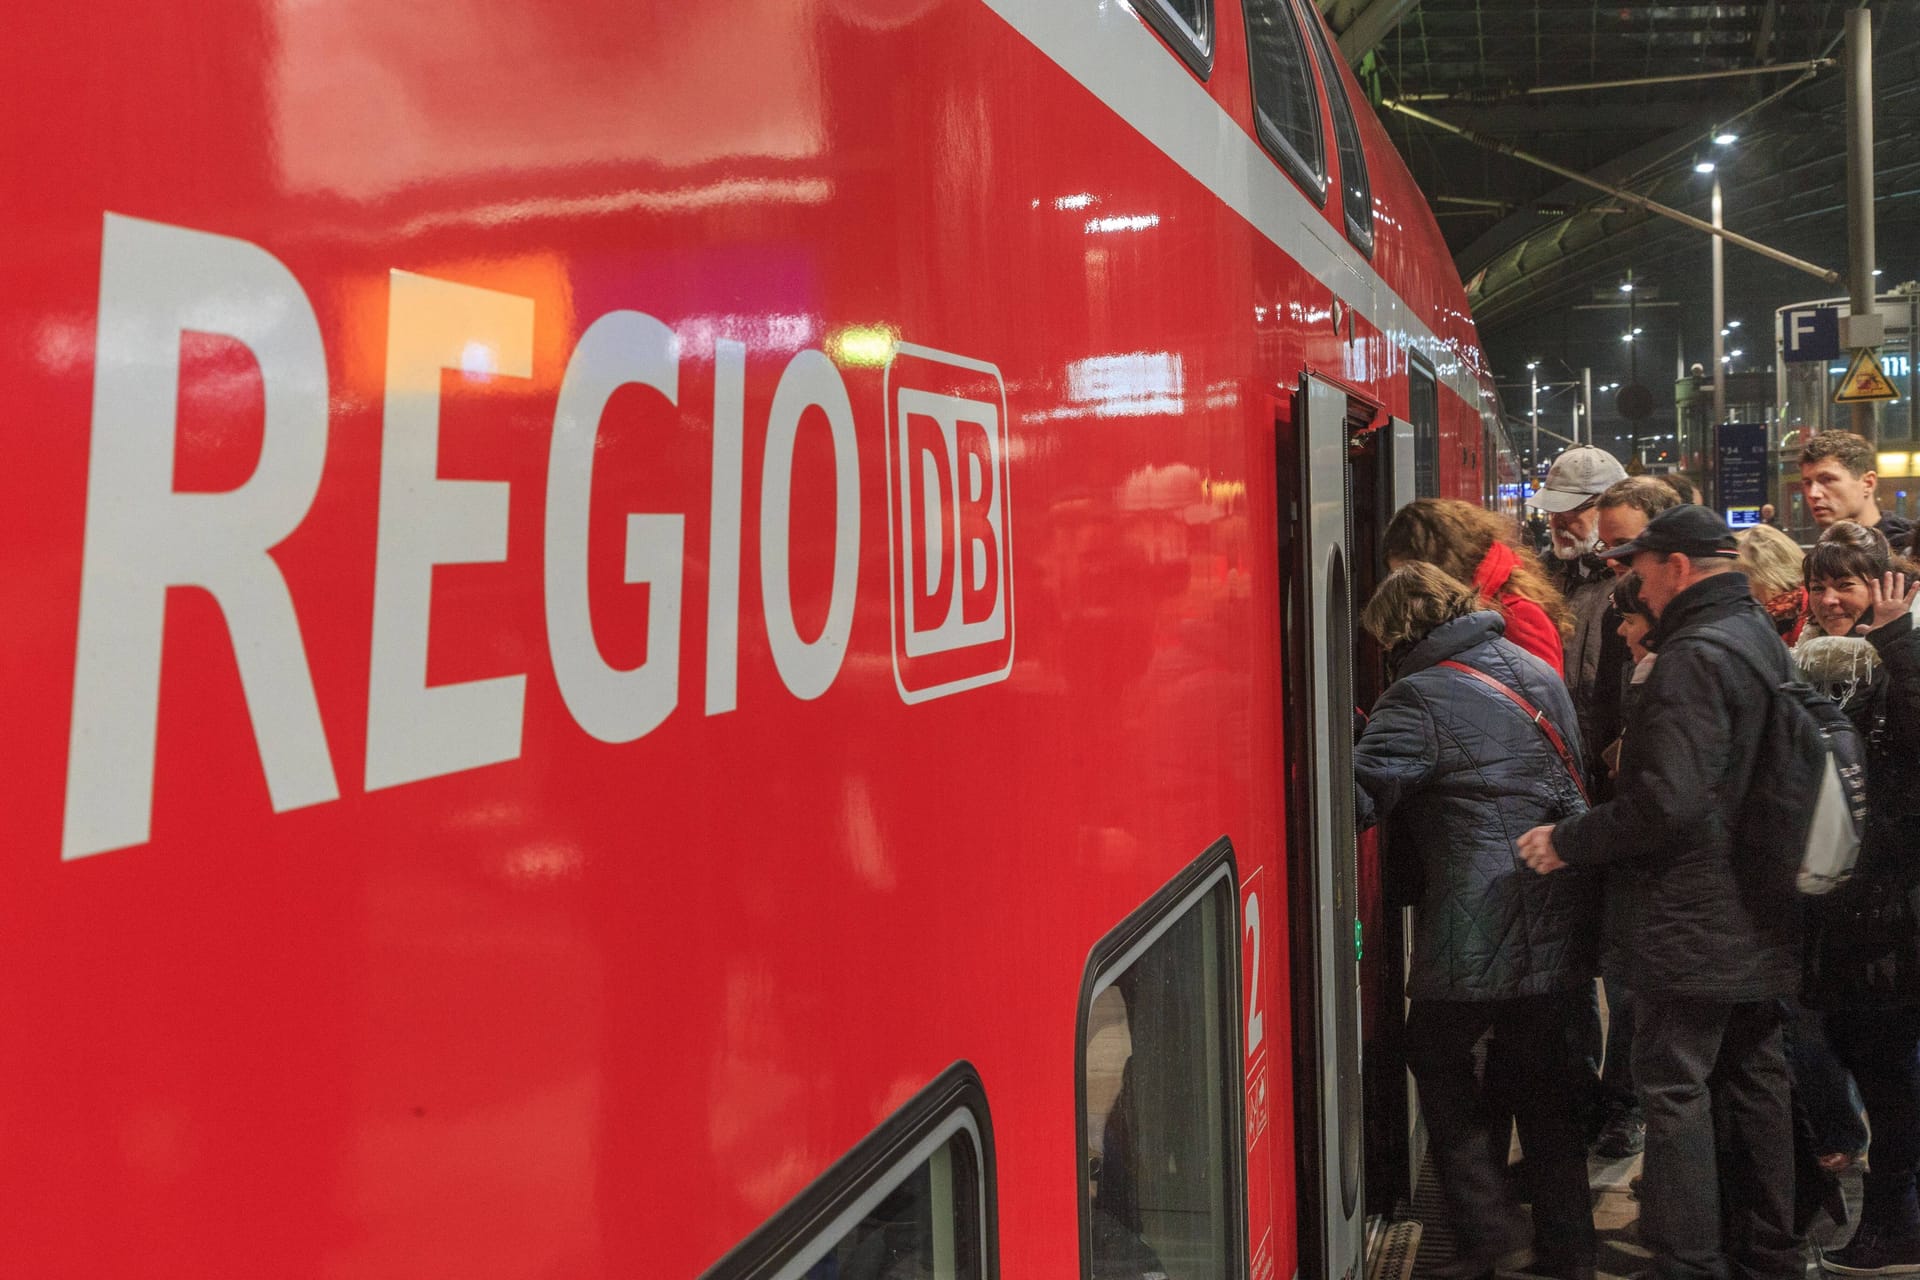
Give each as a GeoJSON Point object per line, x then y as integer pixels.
{"type": "Point", "coordinates": [1806, 803]}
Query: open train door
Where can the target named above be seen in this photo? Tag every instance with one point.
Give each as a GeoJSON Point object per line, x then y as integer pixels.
{"type": "Point", "coordinates": [1322, 869]}
{"type": "Point", "coordinates": [1381, 462]}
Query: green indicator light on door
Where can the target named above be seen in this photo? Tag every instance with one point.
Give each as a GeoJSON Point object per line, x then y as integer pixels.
{"type": "Point", "coordinates": [1358, 950]}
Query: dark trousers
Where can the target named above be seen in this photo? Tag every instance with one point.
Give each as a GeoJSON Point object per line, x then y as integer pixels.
{"type": "Point", "coordinates": [1879, 1046]}
{"type": "Point", "coordinates": [1713, 1085]}
{"type": "Point", "coordinates": [1617, 1094]}
{"type": "Point", "coordinates": [1461, 1112]}
{"type": "Point", "coordinates": [1821, 1086]}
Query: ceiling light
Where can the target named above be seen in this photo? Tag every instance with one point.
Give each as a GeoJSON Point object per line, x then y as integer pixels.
{"type": "Point", "coordinates": [1626, 337]}
{"type": "Point", "coordinates": [1725, 139]}
{"type": "Point", "coordinates": [1626, 286]}
{"type": "Point", "coordinates": [1703, 166]}
{"type": "Point", "coordinates": [1733, 324]}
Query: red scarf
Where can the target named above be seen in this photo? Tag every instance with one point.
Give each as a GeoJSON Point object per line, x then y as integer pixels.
{"type": "Point", "coordinates": [1789, 613]}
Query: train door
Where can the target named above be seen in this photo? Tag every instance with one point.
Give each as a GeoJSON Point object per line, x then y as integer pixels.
{"type": "Point", "coordinates": [1386, 476]}
{"type": "Point", "coordinates": [1322, 870]}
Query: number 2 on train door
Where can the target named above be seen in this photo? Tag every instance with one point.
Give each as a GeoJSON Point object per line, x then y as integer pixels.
{"type": "Point", "coordinates": [1258, 1110]}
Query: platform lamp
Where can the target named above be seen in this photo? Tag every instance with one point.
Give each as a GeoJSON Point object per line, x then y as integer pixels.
{"type": "Point", "coordinates": [1707, 165]}
{"type": "Point", "coordinates": [1533, 421]}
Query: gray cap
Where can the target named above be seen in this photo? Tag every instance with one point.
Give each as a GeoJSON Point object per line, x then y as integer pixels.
{"type": "Point", "coordinates": [1577, 476]}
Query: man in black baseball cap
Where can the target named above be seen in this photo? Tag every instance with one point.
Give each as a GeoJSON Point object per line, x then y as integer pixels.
{"type": "Point", "coordinates": [1713, 951]}
{"type": "Point", "coordinates": [1679, 548]}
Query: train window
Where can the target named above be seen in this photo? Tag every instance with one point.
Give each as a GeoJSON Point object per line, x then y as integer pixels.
{"type": "Point", "coordinates": [1489, 466]}
{"type": "Point", "coordinates": [1423, 410]}
{"type": "Point", "coordinates": [1160, 1087]}
{"type": "Point", "coordinates": [1187, 25]}
{"type": "Point", "coordinates": [1356, 193]}
{"type": "Point", "coordinates": [1286, 113]}
{"type": "Point", "coordinates": [914, 1201]}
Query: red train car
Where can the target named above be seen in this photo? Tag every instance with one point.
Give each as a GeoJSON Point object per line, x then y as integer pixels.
{"type": "Point", "coordinates": [645, 639]}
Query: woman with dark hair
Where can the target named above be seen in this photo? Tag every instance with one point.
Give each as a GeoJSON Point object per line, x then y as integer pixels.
{"type": "Point", "coordinates": [1636, 623]}
{"type": "Point", "coordinates": [1457, 763]}
{"type": "Point", "coordinates": [1624, 1131]}
{"type": "Point", "coordinates": [1832, 652]}
{"type": "Point", "coordinates": [1863, 956]}
{"type": "Point", "coordinates": [1480, 549]}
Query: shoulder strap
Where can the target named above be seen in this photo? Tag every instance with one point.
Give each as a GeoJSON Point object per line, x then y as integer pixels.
{"type": "Point", "coordinates": [1728, 644]}
{"type": "Point", "coordinates": [1533, 713]}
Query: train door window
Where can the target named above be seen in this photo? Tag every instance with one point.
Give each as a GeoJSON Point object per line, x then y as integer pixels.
{"type": "Point", "coordinates": [1187, 25]}
{"type": "Point", "coordinates": [1356, 193]}
{"type": "Point", "coordinates": [1286, 112]}
{"type": "Point", "coordinates": [914, 1201]}
{"type": "Point", "coordinates": [1160, 1087]}
{"type": "Point", "coordinates": [1423, 410]}
{"type": "Point", "coordinates": [1489, 468]}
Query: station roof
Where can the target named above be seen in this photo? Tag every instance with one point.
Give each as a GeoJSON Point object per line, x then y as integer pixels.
{"type": "Point", "coordinates": [1529, 242]}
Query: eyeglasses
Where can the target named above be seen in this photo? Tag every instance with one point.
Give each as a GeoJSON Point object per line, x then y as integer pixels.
{"type": "Point", "coordinates": [1588, 505]}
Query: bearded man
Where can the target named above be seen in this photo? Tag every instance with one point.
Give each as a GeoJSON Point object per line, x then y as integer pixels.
{"type": "Point", "coordinates": [1570, 496]}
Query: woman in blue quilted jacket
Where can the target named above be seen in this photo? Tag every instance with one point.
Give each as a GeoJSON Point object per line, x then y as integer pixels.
{"type": "Point", "coordinates": [1454, 764]}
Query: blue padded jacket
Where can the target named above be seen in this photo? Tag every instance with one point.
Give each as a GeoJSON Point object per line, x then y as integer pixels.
{"type": "Point", "coordinates": [1457, 773]}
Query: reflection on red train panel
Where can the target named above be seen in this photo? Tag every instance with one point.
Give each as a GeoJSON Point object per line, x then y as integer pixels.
{"type": "Point", "coordinates": [650, 639]}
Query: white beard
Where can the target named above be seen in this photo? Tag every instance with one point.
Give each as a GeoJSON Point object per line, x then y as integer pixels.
{"type": "Point", "coordinates": [1565, 547]}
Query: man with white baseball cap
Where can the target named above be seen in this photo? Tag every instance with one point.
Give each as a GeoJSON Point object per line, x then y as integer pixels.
{"type": "Point", "coordinates": [1575, 480]}
{"type": "Point", "coordinates": [1570, 496]}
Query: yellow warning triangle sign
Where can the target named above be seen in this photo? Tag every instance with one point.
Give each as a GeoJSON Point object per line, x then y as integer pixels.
{"type": "Point", "coordinates": [1864, 381]}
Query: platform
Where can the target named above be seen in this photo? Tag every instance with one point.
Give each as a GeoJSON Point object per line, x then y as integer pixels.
{"type": "Point", "coordinates": [1616, 1215]}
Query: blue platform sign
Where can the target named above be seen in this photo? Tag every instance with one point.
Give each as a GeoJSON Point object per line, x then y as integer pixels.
{"type": "Point", "coordinates": [1810, 333]}
{"type": "Point", "coordinates": [1742, 454]}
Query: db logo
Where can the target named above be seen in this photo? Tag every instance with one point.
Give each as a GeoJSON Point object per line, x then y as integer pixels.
{"type": "Point", "coordinates": [951, 548]}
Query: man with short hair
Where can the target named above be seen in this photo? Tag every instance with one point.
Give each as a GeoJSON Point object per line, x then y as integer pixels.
{"type": "Point", "coordinates": [1768, 516]}
{"type": "Point", "coordinates": [1716, 932]}
{"type": "Point", "coordinates": [1620, 1128]}
{"type": "Point", "coordinates": [1625, 509]}
{"type": "Point", "coordinates": [1837, 472]}
{"type": "Point", "coordinates": [1682, 485]}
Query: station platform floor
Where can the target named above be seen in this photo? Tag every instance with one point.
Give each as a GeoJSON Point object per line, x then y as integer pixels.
{"type": "Point", "coordinates": [1616, 1215]}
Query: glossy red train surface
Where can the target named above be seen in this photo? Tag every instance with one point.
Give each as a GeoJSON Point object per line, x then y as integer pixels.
{"type": "Point", "coordinates": [596, 593]}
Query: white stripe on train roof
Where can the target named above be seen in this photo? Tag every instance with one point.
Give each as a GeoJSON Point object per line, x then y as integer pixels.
{"type": "Point", "coordinates": [1109, 50]}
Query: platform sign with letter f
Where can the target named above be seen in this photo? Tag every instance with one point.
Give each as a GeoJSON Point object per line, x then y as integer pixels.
{"type": "Point", "coordinates": [951, 533]}
{"type": "Point", "coordinates": [1810, 333]}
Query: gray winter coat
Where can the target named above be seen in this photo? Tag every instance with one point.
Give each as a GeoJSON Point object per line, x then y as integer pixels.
{"type": "Point", "coordinates": [1457, 772]}
{"type": "Point", "coordinates": [1587, 584]}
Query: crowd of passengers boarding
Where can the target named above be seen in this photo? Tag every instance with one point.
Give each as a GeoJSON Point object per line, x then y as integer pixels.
{"type": "Point", "coordinates": [1564, 765]}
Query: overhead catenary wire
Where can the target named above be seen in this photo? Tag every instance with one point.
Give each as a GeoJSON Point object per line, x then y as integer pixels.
{"type": "Point", "coordinates": [1825, 274]}
{"type": "Point", "coordinates": [1633, 82]}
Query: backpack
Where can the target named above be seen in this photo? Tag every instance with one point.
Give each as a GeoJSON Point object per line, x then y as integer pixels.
{"type": "Point", "coordinates": [1806, 804]}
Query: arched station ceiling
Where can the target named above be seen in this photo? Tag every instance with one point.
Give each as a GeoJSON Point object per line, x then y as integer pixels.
{"type": "Point", "coordinates": [1531, 243]}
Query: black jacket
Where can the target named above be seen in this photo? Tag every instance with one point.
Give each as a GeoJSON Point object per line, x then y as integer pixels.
{"type": "Point", "coordinates": [1899, 531]}
{"type": "Point", "coordinates": [1458, 773]}
{"type": "Point", "coordinates": [1606, 707]}
{"type": "Point", "coordinates": [1865, 949]}
{"type": "Point", "coordinates": [1705, 919]}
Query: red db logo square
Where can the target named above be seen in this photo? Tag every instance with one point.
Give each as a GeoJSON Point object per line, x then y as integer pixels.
{"type": "Point", "coordinates": [951, 534]}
